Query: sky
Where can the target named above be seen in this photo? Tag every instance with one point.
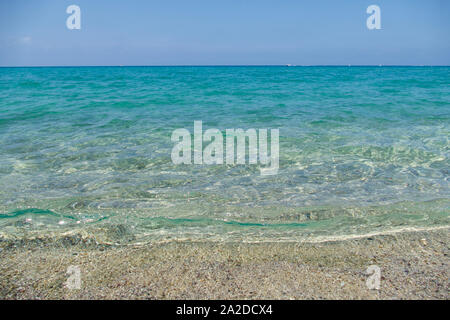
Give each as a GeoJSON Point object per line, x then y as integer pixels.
{"type": "Point", "coordinates": [224, 32]}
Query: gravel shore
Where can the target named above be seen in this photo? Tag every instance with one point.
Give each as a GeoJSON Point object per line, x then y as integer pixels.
{"type": "Point", "coordinates": [414, 265]}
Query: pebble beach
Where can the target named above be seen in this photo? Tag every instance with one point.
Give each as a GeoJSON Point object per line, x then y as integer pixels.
{"type": "Point", "coordinates": [414, 265]}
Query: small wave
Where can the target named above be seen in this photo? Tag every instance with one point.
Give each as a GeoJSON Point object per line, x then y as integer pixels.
{"type": "Point", "coordinates": [32, 211]}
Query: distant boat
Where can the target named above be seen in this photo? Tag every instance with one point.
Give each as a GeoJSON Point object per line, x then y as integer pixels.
{"type": "Point", "coordinates": [289, 65]}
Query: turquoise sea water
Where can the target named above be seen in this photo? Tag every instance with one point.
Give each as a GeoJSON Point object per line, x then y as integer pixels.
{"type": "Point", "coordinates": [362, 149]}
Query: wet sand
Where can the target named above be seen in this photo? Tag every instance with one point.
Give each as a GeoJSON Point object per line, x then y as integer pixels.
{"type": "Point", "coordinates": [414, 265]}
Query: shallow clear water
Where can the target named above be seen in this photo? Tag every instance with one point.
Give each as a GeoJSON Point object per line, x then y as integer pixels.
{"type": "Point", "coordinates": [362, 149]}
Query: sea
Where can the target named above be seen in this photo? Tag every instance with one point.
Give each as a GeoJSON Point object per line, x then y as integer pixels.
{"type": "Point", "coordinates": [87, 150]}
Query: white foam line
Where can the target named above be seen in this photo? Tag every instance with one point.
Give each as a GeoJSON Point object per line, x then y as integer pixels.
{"type": "Point", "coordinates": [380, 233]}
{"type": "Point", "coordinates": [318, 239]}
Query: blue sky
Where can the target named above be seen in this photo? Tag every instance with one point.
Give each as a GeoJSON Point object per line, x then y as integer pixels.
{"type": "Point", "coordinates": [217, 32]}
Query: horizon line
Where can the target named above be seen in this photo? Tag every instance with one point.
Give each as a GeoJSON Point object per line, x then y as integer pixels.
{"type": "Point", "coordinates": [227, 65]}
